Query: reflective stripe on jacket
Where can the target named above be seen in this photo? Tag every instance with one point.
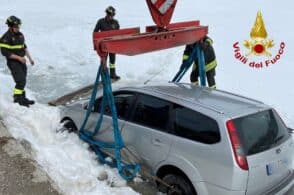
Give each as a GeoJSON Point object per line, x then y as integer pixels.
{"type": "Point", "coordinates": [12, 43]}
{"type": "Point", "coordinates": [11, 46]}
{"type": "Point", "coordinates": [209, 55]}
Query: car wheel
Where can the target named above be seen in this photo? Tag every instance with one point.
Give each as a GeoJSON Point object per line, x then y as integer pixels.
{"type": "Point", "coordinates": [69, 126]}
{"type": "Point", "coordinates": [179, 185]}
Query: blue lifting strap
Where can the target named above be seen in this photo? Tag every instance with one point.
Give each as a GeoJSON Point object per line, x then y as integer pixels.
{"type": "Point", "coordinates": [197, 53]}
{"type": "Point", "coordinates": [201, 62]}
{"type": "Point", "coordinates": [128, 171]}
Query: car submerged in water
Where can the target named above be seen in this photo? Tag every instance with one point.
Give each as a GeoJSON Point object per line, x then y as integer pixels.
{"type": "Point", "coordinates": [197, 140]}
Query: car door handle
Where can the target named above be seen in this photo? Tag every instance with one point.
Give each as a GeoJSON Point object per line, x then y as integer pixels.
{"type": "Point", "coordinates": [157, 142]}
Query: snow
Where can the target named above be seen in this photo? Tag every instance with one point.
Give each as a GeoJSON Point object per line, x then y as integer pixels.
{"type": "Point", "coordinates": [58, 34]}
{"type": "Point", "coordinates": [64, 156]}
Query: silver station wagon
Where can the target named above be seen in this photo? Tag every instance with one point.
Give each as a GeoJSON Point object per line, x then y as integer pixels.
{"type": "Point", "coordinates": [197, 140]}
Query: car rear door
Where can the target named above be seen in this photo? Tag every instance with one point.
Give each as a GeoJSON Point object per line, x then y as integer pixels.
{"type": "Point", "coordinates": [269, 149]}
{"type": "Point", "coordinates": [268, 169]}
{"type": "Point", "coordinates": [145, 132]}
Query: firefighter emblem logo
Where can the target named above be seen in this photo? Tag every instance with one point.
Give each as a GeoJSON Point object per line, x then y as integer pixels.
{"type": "Point", "coordinates": [258, 44]}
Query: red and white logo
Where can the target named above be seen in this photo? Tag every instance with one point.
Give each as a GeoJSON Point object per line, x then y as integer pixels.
{"type": "Point", "coordinates": [259, 46]}
{"type": "Point", "coordinates": [162, 5]}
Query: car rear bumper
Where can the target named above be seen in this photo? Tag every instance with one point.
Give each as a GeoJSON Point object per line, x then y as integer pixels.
{"type": "Point", "coordinates": [284, 187]}
{"type": "Point", "coordinates": [205, 188]}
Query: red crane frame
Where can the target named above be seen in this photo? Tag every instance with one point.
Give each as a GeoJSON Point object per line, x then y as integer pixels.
{"type": "Point", "coordinates": [163, 35]}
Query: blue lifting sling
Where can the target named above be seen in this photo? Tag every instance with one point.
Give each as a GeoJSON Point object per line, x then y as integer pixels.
{"type": "Point", "coordinates": [127, 171]}
{"type": "Point", "coordinates": [197, 53]}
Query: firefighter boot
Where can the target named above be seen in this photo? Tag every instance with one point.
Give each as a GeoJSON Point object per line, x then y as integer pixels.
{"type": "Point", "coordinates": [26, 100]}
{"type": "Point", "coordinates": [19, 99]}
{"type": "Point", "coordinates": [113, 74]}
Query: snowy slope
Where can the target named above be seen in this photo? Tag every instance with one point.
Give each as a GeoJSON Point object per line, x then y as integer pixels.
{"type": "Point", "coordinates": [58, 34]}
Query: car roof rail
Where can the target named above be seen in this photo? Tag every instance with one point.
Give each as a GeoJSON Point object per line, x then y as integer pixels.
{"type": "Point", "coordinates": [226, 92]}
{"type": "Point", "coordinates": [187, 100]}
{"type": "Point", "coordinates": [207, 107]}
{"type": "Point", "coordinates": [181, 84]}
{"type": "Point", "coordinates": [240, 96]}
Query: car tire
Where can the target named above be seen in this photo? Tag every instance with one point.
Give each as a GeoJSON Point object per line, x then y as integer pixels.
{"type": "Point", "coordinates": [181, 185]}
{"type": "Point", "coordinates": [69, 126]}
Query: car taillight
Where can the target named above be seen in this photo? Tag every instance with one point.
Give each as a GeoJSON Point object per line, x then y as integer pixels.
{"type": "Point", "coordinates": [236, 144]}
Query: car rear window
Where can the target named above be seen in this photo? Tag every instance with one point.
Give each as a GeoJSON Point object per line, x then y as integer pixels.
{"type": "Point", "coordinates": [260, 131]}
{"type": "Point", "coordinates": [195, 126]}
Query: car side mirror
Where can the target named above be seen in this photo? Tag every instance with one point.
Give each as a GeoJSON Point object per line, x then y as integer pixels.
{"type": "Point", "coordinates": [85, 106]}
{"type": "Point", "coordinates": [291, 131]}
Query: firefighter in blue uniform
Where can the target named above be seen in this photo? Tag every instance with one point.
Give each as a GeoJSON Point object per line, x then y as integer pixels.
{"type": "Point", "coordinates": [13, 47]}
{"type": "Point", "coordinates": [105, 24]}
{"type": "Point", "coordinates": [210, 61]}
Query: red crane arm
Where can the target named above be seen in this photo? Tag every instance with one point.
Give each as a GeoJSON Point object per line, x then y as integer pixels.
{"type": "Point", "coordinates": [163, 35]}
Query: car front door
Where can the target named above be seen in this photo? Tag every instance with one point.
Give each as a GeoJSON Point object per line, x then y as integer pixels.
{"type": "Point", "coordinates": [145, 132]}
{"type": "Point", "coordinates": [123, 101]}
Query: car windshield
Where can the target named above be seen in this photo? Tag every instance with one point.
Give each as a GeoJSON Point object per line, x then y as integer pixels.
{"type": "Point", "coordinates": [260, 131]}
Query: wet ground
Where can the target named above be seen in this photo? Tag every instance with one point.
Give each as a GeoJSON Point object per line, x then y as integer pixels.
{"type": "Point", "coordinates": [19, 174]}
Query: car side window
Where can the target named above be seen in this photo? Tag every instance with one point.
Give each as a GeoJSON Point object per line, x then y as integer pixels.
{"type": "Point", "coordinates": [123, 103]}
{"type": "Point", "coordinates": [97, 105]}
{"type": "Point", "coordinates": [152, 112]}
{"type": "Point", "coordinates": [192, 125]}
